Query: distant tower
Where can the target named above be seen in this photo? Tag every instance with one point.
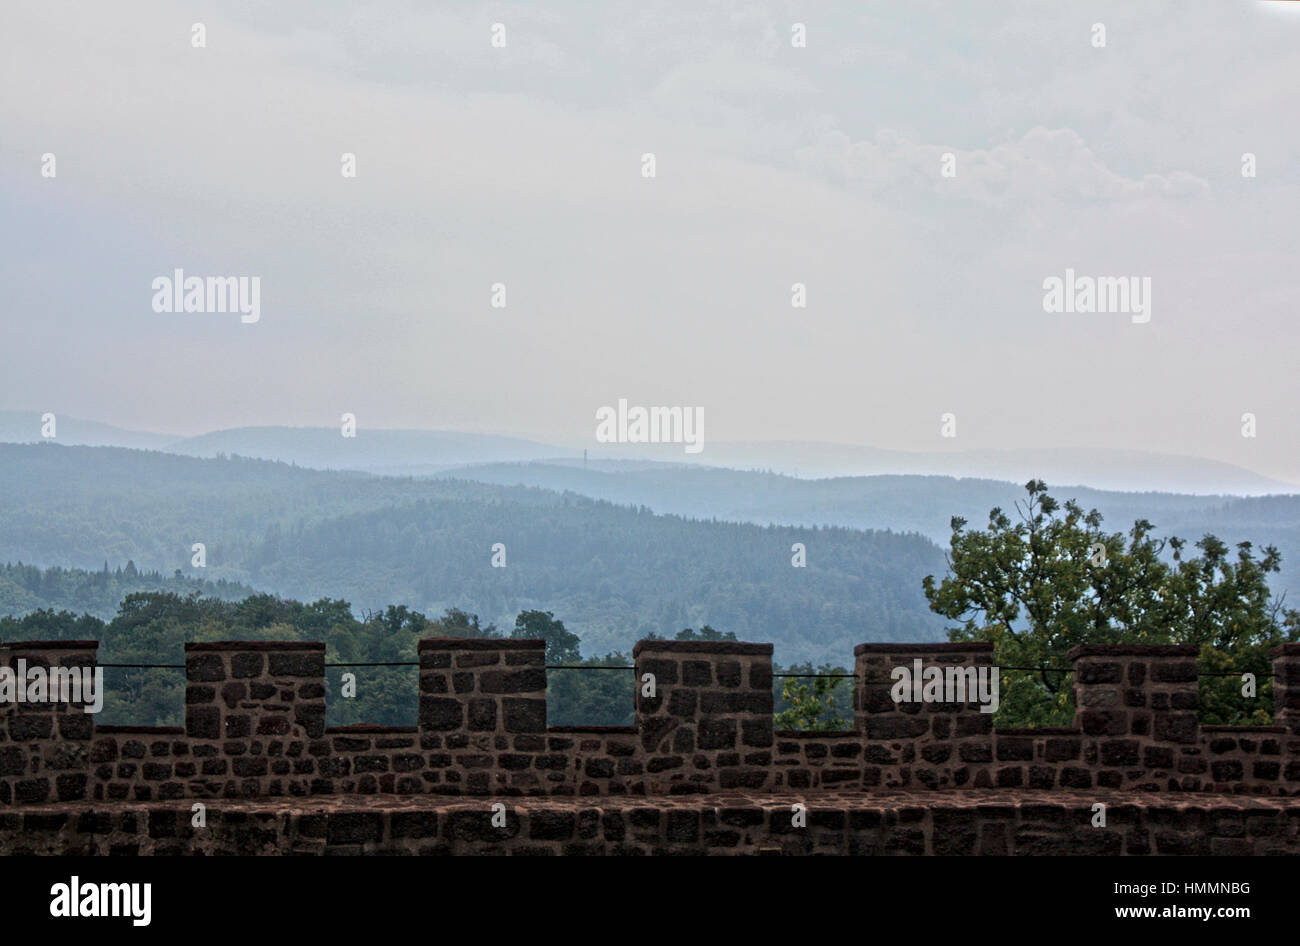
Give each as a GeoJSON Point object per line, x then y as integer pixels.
{"type": "Point", "coordinates": [584, 459]}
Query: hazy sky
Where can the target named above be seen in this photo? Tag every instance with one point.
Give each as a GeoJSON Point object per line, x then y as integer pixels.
{"type": "Point", "coordinates": [774, 165]}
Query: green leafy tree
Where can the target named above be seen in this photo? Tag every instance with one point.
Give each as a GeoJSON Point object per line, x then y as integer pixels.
{"type": "Point", "coordinates": [46, 624]}
{"type": "Point", "coordinates": [458, 623]}
{"type": "Point", "coordinates": [561, 644]}
{"type": "Point", "coordinates": [705, 633]}
{"type": "Point", "coordinates": [812, 702]}
{"type": "Point", "coordinates": [1052, 578]}
{"type": "Point", "coordinates": [592, 697]}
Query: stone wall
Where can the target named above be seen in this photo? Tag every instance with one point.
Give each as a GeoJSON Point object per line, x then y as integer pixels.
{"type": "Point", "coordinates": [983, 822]}
{"type": "Point", "coordinates": [483, 716]}
{"type": "Point", "coordinates": [255, 728]}
{"type": "Point", "coordinates": [45, 748]}
{"type": "Point", "coordinates": [923, 745]}
{"type": "Point", "coordinates": [709, 724]}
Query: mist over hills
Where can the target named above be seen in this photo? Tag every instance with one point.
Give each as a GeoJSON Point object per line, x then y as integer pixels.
{"type": "Point", "coordinates": [923, 504]}
{"type": "Point", "coordinates": [395, 452]}
{"type": "Point", "coordinates": [25, 427]}
{"type": "Point", "coordinates": [380, 451]}
{"type": "Point", "coordinates": [612, 573]}
{"type": "Point", "coordinates": [1109, 469]}
{"type": "Point", "coordinates": [920, 504]}
{"type": "Point", "coordinates": [401, 452]}
{"type": "Point", "coordinates": [616, 546]}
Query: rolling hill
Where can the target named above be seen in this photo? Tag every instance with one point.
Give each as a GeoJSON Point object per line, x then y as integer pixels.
{"type": "Point", "coordinates": [612, 573]}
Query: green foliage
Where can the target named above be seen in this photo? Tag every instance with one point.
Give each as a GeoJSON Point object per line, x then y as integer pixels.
{"type": "Point", "coordinates": [25, 588]}
{"type": "Point", "coordinates": [561, 645]}
{"type": "Point", "coordinates": [813, 703]}
{"type": "Point", "coordinates": [592, 697]}
{"type": "Point", "coordinates": [152, 628]}
{"type": "Point", "coordinates": [705, 633]}
{"type": "Point", "coordinates": [579, 697]}
{"type": "Point", "coordinates": [1052, 579]}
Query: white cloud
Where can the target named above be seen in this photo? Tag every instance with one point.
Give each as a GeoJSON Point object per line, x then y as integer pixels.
{"type": "Point", "coordinates": [776, 165]}
{"type": "Point", "coordinates": [1044, 164]}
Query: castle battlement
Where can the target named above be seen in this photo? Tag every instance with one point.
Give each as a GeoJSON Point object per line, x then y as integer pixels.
{"type": "Point", "coordinates": [255, 729]}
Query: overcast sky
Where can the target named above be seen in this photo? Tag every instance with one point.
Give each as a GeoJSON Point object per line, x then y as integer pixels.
{"type": "Point", "coordinates": [774, 165]}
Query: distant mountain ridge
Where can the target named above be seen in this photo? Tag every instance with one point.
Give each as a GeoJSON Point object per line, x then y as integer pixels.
{"type": "Point", "coordinates": [1109, 469]}
{"type": "Point", "coordinates": [398, 452]}
{"type": "Point", "coordinates": [417, 452]}
{"type": "Point", "coordinates": [375, 451]}
{"type": "Point", "coordinates": [25, 427]}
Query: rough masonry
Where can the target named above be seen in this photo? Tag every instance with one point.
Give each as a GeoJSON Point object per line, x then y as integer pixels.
{"type": "Point", "coordinates": [255, 732]}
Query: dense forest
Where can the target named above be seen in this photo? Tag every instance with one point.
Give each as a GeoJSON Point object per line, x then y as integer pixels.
{"type": "Point", "coordinates": [616, 573]}
{"type": "Point", "coordinates": [25, 588]}
{"type": "Point", "coordinates": [920, 504]}
{"type": "Point", "coordinates": [152, 627]}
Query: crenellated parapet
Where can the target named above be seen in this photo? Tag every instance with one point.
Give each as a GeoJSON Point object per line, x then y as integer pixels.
{"type": "Point", "coordinates": [923, 721]}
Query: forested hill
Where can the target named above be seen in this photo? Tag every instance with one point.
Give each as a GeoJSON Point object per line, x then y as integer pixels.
{"type": "Point", "coordinates": [923, 504]}
{"type": "Point", "coordinates": [612, 573]}
{"type": "Point", "coordinates": [26, 588]}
